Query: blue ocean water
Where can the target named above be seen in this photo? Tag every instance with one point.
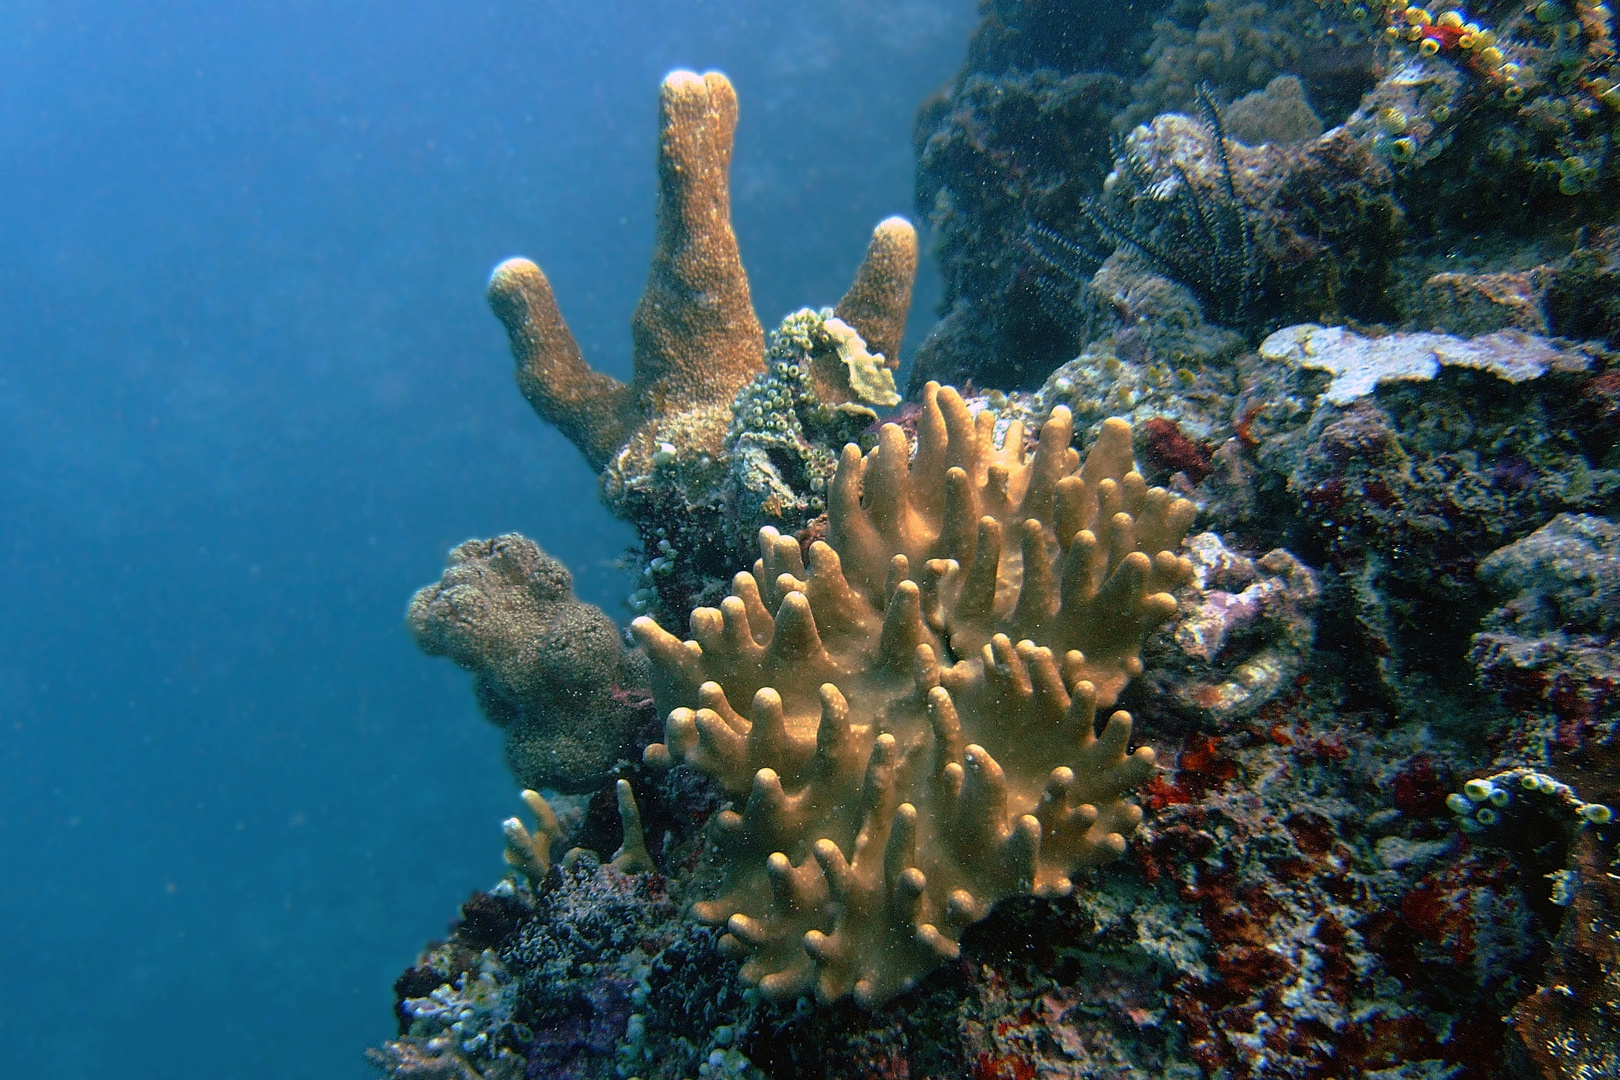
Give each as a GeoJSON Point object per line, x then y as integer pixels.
{"type": "Point", "coordinates": [249, 396]}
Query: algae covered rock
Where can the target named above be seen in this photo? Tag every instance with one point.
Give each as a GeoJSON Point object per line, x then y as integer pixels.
{"type": "Point", "coordinates": [1553, 645]}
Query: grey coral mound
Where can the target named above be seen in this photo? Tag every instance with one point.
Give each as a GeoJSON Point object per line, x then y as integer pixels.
{"type": "Point", "coordinates": [549, 669]}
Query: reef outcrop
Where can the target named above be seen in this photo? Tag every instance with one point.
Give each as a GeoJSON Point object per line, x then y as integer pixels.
{"type": "Point", "coordinates": [910, 720]}
{"type": "Point", "coordinates": [1359, 310]}
{"type": "Point", "coordinates": [1471, 141]}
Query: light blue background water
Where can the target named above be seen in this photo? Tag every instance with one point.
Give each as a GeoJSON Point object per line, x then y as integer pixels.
{"type": "Point", "coordinates": [249, 396]}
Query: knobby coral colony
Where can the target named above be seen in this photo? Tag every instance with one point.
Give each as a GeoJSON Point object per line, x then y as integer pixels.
{"type": "Point", "coordinates": [920, 735]}
{"type": "Point", "coordinates": [1205, 241]}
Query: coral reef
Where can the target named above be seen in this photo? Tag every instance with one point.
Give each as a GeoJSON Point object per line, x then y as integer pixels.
{"type": "Point", "coordinates": [1016, 145]}
{"type": "Point", "coordinates": [820, 389]}
{"type": "Point", "coordinates": [815, 395]}
{"type": "Point", "coordinates": [1562, 615]}
{"type": "Point", "coordinates": [1569, 1027]}
{"type": "Point", "coordinates": [1242, 635]}
{"type": "Point", "coordinates": [548, 669]}
{"type": "Point", "coordinates": [905, 764]}
{"type": "Point", "coordinates": [1456, 146]}
{"type": "Point", "coordinates": [1400, 491]}
{"type": "Point", "coordinates": [1279, 114]}
{"type": "Point", "coordinates": [1355, 317]}
{"type": "Point", "coordinates": [1009, 152]}
{"type": "Point", "coordinates": [1200, 236]}
{"type": "Point", "coordinates": [1551, 650]}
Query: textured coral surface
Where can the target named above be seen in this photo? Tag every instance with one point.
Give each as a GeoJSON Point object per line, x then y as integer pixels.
{"type": "Point", "coordinates": [547, 668]}
{"type": "Point", "coordinates": [912, 719]}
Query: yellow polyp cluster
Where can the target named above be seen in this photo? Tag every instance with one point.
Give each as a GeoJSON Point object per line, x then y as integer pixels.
{"type": "Point", "coordinates": [905, 713]}
{"type": "Point", "coordinates": [1421, 29]}
{"type": "Point", "coordinates": [1575, 176]}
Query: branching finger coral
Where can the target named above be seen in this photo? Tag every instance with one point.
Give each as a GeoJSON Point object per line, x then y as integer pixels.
{"type": "Point", "coordinates": [909, 722]}
{"type": "Point", "coordinates": [696, 340]}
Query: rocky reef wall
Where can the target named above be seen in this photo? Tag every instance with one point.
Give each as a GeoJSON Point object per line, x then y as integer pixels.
{"type": "Point", "coordinates": [1218, 681]}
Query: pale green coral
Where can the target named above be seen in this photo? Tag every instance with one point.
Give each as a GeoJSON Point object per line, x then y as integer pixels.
{"type": "Point", "coordinates": [870, 380]}
{"type": "Point", "coordinates": [790, 422]}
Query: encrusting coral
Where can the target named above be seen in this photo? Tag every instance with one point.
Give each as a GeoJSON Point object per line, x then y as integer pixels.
{"type": "Point", "coordinates": [550, 670]}
{"type": "Point", "coordinates": [696, 340]}
{"type": "Point", "coordinates": [920, 738]}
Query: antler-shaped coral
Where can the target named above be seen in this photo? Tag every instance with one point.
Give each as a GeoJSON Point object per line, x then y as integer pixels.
{"type": "Point", "coordinates": [920, 738]}
{"type": "Point", "coordinates": [696, 339]}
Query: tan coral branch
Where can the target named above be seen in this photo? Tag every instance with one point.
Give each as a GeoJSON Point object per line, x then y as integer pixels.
{"type": "Point", "coordinates": [879, 300]}
{"type": "Point", "coordinates": [592, 410]}
{"type": "Point", "coordinates": [696, 340]}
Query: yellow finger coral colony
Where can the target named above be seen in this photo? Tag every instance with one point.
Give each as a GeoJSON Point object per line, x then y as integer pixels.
{"type": "Point", "coordinates": [908, 723]}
